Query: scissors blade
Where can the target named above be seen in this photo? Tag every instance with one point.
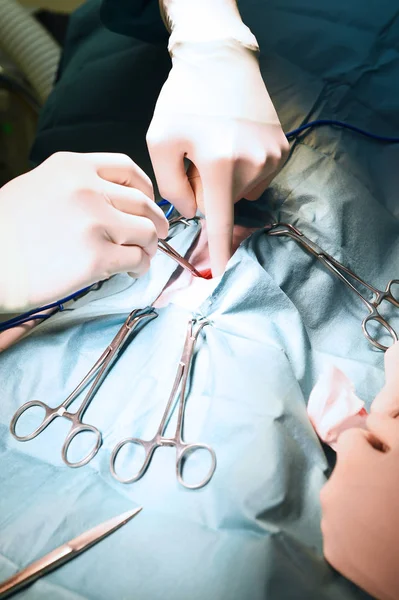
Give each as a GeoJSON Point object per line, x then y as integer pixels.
{"type": "Point", "coordinates": [87, 539]}
{"type": "Point", "coordinates": [64, 553]}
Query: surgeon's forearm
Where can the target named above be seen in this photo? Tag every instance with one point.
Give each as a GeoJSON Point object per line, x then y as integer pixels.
{"type": "Point", "coordinates": [205, 20]}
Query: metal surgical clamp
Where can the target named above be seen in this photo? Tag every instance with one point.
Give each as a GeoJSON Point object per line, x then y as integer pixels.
{"type": "Point", "coordinates": [100, 370]}
{"type": "Point", "coordinates": [340, 271]}
{"type": "Point", "coordinates": [171, 252]}
{"type": "Point", "coordinates": [182, 449]}
{"type": "Point", "coordinates": [63, 554]}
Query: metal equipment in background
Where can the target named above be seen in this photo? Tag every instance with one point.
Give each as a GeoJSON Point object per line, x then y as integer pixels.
{"type": "Point", "coordinates": [19, 110]}
{"type": "Point", "coordinates": [29, 58]}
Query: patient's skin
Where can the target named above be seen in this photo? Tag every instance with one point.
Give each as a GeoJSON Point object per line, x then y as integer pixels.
{"type": "Point", "coordinates": [360, 522]}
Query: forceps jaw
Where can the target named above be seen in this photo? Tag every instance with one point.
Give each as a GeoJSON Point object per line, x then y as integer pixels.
{"type": "Point", "coordinates": [183, 220]}
{"type": "Point", "coordinates": [137, 315]}
{"type": "Point", "coordinates": [286, 229]}
{"type": "Point", "coordinates": [277, 228]}
{"type": "Point", "coordinates": [181, 261]}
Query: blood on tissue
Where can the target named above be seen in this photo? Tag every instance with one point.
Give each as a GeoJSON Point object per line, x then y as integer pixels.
{"type": "Point", "coordinates": [206, 274]}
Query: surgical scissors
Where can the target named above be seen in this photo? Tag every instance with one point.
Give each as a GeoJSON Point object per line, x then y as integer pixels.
{"type": "Point", "coordinates": [340, 271]}
{"type": "Point", "coordinates": [63, 554]}
{"type": "Point", "coordinates": [99, 370]}
{"type": "Point", "coordinates": [182, 449]}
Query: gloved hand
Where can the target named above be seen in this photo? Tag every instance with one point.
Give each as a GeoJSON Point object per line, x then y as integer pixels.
{"type": "Point", "coordinates": [214, 109]}
{"type": "Point", "coordinates": [74, 220]}
{"type": "Point", "coordinates": [360, 521]}
{"type": "Point", "coordinates": [387, 401]}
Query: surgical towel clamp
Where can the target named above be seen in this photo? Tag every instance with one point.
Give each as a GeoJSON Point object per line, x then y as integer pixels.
{"type": "Point", "coordinates": [340, 271]}
{"type": "Point", "coordinates": [99, 370]}
{"type": "Point", "coordinates": [182, 449]}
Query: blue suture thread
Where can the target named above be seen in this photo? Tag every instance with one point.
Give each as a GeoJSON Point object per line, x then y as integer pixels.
{"type": "Point", "coordinates": [22, 320]}
{"type": "Point", "coordinates": [312, 125]}
{"type": "Point", "coordinates": [32, 314]}
{"type": "Point", "coordinates": [169, 211]}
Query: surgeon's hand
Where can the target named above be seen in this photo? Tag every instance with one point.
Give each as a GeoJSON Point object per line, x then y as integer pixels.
{"type": "Point", "coordinates": [215, 110]}
{"type": "Point", "coordinates": [387, 401]}
{"type": "Point", "coordinates": [360, 522]}
{"type": "Point", "coordinates": [74, 220]}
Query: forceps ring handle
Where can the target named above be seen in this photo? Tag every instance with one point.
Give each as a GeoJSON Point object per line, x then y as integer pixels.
{"type": "Point", "coordinates": [74, 432]}
{"type": "Point", "coordinates": [183, 452]}
{"type": "Point", "coordinates": [390, 296]}
{"type": "Point", "coordinates": [49, 415]}
{"type": "Point", "coordinates": [375, 316]}
{"type": "Point", "coordinates": [149, 449]}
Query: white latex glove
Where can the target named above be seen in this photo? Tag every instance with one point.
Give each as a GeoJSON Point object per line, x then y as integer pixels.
{"type": "Point", "coordinates": [215, 110]}
{"type": "Point", "coordinates": [74, 220]}
{"type": "Point", "coordinates": [387, 401]}
{"type": "Point", "coordinates": [360, 520]}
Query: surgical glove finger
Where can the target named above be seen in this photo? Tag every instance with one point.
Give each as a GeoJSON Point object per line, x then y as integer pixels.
{"type": "Point", "coordinates": [384, 428]}
{"type": "Point", "coordinates": [359, 514]}
{"type": "Point", "coordinates": [168, 164]}
{"type": "Point", "coordinates": [214, 109]}
{"type": "Point", "coordinates": [353, 443]}
{"type": "Point", "coordinates": [64, 227]}
{"type": "Point", "coordinates": [135, 202]}
{"type": "Point", "coordinates": [219, 213]}
{"type": "Point", "coordinates": [129, 259]}
{"type": "Point", "coordinates": [129, 230]}
{"type": "Point", "coordinates": [387, 401]}
{"type": "Point", "coordinates": [391, 360]}
{"type": "Point", "coordinates": [120, 169]}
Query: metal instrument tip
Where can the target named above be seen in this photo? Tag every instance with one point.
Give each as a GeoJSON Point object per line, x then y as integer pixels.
{"type": "Point", "coordinates": [101, 531]}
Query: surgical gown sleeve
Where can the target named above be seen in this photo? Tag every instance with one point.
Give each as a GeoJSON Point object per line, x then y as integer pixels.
{"type": "Point", "coordinates": [140, 19]}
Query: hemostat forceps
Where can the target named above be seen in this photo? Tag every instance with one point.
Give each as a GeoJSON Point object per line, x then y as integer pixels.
{"type": "Point", "coordinates": [99, 370]}
{"type": "Point", "coordinates": [340, 271]}
{"type": "Point", "coordinates": [182, 449]}
{"type": "Point", "coordinates": [171, 252]}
